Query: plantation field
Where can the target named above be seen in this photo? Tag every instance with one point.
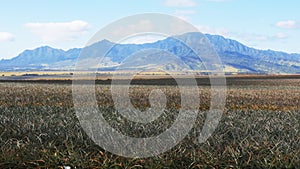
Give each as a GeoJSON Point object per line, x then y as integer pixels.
{"type": "Point", "coordinates": [259, 128]}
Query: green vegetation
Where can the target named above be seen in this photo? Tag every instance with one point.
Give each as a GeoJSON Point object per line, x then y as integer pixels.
{"type": "Point", "coordinates": [259, 128]}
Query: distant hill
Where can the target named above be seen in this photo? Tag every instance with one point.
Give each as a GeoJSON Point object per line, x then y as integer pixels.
{"type": "Point", "coordinates": [235, 56]}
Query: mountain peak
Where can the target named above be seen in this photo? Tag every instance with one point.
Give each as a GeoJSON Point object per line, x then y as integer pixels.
{"type": "Point", "coordinates": [46, 47]}
{"type": "Point", "coordinates": [105, 41]}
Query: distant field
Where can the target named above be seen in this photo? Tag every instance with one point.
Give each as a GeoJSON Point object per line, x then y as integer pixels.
{"type": "Point", "coordinates": [140, 78]}
{"type": "Point", "coordinates": [20, 73]}
{"type": "Point", "coordinates": [53, 73]}
{"type": "Point", "coordinates": [259, 128]}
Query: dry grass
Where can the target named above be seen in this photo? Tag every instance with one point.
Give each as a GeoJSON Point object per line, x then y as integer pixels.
{"type": "Point", "coordinates": [259, 129]}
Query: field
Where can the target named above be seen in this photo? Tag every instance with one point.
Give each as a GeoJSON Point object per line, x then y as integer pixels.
{"type": "Point", "coordinates": [259, 127]}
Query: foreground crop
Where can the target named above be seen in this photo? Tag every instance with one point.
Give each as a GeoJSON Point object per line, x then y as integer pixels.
{"type": "Point", "coordinates": [259, 128]}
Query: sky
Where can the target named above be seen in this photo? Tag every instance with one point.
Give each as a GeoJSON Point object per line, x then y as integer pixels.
{"type": "Point", "coordinates": [66, 24]}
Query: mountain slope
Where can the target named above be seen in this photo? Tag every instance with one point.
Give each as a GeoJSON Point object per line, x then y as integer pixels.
{"type": "Point", "coordinates": [39, 58]}
{"type": "Point", "coordinates": [240, 56]}
{"type": "Point", "coordinates": [232, 53]}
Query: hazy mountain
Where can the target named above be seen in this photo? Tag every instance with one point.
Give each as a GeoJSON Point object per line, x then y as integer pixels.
{"type": "Point", "coordinates": [234, 55]}
{"type": "Point", "coordinates": [40, 58]}
{"type": "Point", "coordinates": [240, 56]}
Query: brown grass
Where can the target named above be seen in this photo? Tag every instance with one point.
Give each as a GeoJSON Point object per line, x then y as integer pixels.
{"type": "Point", "coordinates": [259, 129]}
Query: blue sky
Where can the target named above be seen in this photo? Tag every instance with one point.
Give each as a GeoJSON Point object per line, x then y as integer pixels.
{"type": "Point", "coordinates": [263, 24]}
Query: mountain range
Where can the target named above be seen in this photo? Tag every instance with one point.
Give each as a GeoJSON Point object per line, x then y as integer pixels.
{"type": "Point", "coordinates": [235, 56]}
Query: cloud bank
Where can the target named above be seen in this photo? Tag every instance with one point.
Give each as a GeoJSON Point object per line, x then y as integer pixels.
{"type": "Point", "coordinates": [59, 31]}
{"type": "Point", "coordinates": [6, 37]}
{"type": "Point", "coordinates": [289, 24]}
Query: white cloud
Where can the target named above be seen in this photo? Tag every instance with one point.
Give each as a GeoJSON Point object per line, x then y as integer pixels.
{"type": "Point", "coordinates": [142, 25]}
{"type": "Point", "coordinates": [289, 24]}
{"type": "Point", "coordinates": [280, 35]}
{"type": "Point", "coordinates": [180, 3]}
{"type": "Point", "coordinates": [126, 31]}
{"type": "Point", "coordinates": [209, 30]}
{"type": "Point", "coordinates": [184, 14]}
{"type": "Point", "coordinates": [6, 37]}
{"type": "Point", "coordinates": [59, 31]}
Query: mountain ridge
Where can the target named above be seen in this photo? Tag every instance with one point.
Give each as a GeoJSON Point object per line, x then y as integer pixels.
{"type": "Point", "coordinates": [232, 53]}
